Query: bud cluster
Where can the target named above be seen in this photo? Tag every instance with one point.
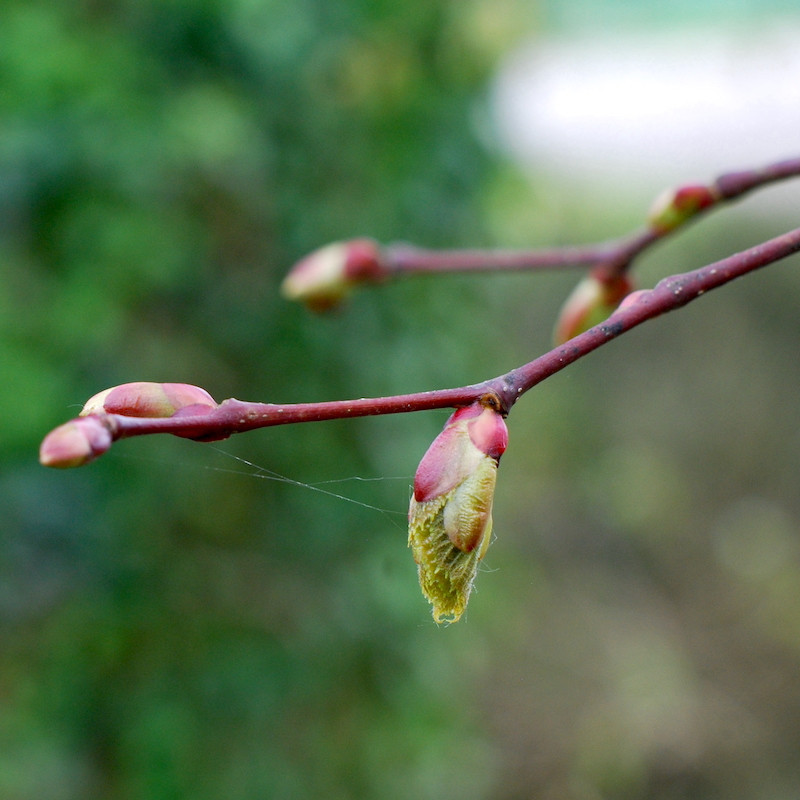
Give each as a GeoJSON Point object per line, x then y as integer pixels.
{"type": "Point", "coordinates": [90, 435]}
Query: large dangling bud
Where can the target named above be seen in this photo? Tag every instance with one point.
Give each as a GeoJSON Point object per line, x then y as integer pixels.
{"type": "Point", "coordinates": [450, 515]}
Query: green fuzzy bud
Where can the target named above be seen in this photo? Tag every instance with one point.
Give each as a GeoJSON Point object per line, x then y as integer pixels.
{"type": "Point", "coordinates": [449, 536]}
{"type": "Point", "coordinates": [450, 515]}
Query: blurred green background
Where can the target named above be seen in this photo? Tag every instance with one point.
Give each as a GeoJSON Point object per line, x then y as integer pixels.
{"type": "Point", "coordinates": [176, 624]}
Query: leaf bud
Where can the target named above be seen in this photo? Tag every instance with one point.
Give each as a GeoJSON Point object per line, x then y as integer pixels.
{"type": "Point", "coordinates": [591, 302]}
{"type": "Point", "coordinates": [325, 277]}
{"type": "Point", "coordinates": [634, 297]}
{"type": "Point", "coordinates": [75, 443]}
{"type": "Point", "coordinates": [450, 514]}
{"type": "Point", "coordinates": [675, 206]}
{"type": "Point", "coordinates": [146, 399]}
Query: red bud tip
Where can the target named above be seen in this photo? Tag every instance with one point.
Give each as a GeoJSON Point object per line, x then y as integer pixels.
{"type": "Point", "coordinates": [592, 301]}
{"type": "Point", "coordinates": [487, 429]}
{"type": "Point", "coordinates": [675, 206]}
{"type": "Point", "coordinates": [75, 443]}
{"type": "Point", "coordinates": [325, 277]}
{"type": "Point", "coordinates": [469, 435]}
{"type": "Point", "coordinates": [146, 399]}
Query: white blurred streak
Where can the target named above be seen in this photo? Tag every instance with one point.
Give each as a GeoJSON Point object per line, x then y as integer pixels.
{"type": "Point", "coordinates": [652, 109]}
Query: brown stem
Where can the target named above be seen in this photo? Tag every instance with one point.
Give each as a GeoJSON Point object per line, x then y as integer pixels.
{"type": "Point", "coordinates": [408, 260]}
{"type": "Point", "coordinates": [735, 184]}
{"type": "Point", "coordinates": [236, 416]}
{"type": "Point", "coordinates": [670, 293]}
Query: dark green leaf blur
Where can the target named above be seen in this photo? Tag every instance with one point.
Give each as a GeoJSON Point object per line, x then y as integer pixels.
{"type": "Point", "coordinates": [242, 620]}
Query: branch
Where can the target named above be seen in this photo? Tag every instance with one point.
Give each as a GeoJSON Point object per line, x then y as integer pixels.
{"type": "Point", "coordinates": [669, 294]}
{"type": "Point", "coordinates": [405, 259]}
{"type": "Point", "coordinates": [322, 279]}
{"type": "Point", "coordinates": [191, 415]}
{"type": "Point", "coordinates": [673, 209]}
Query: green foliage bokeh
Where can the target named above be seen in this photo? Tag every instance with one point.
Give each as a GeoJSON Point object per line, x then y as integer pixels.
{"type": "Point", "coordinates": [178, 623]}
{"type": "Point", "coordinates": [172, 626]}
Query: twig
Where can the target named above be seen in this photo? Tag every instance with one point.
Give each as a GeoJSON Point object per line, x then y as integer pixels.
{"type": "Point", "coordinates": [236, 416]}
{"type": "Point", "coordinates": [615, 255]}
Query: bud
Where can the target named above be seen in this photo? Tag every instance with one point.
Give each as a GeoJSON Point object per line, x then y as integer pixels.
{"type": "Point", "coordinates": [75, 443]}
{"type": "Point", "coordinates": [145, 399]}
{"type": "Point", "coordinates": [633, 298]}
{"type": "Point", "coordinates": [324, 278]}
{"type": "Point", "coordinates": [593, 300]}
{"type": "Point", "coordinates": [450, 515]}
{"type": "Point", "coordinates": [676, 206]}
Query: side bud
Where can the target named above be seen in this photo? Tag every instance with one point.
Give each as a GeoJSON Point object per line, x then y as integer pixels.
{"type": "Point", "coordinates": [675, 206]}
{"type": "Point", "coordinates": [75, 443]}
{"type": "Point", "coordinates": [640, 295]}
{"type": "Point", "coordinates": [450, 515]}
{"type": "Point", "coordinates": [324, 278]}
{"type": "Point", "coordinates": [593, 300]}
{"type": "Point", "coordinates": [145, 399]}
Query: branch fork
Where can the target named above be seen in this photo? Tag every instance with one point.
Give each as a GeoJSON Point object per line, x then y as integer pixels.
{"type": "Point", "coordinates": [453, 524]}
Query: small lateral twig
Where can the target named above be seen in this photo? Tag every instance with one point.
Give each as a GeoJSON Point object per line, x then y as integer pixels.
{"type": "Point", "coordinates": [614, 255]}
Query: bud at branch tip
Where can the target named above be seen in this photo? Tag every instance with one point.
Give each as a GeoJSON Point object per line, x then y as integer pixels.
{"type": "Point", "coordinates": [325, 277]}
{"type": "Point", "coordinates": [75, 443]}
{"type": "Point", "coordinates": [83, 439]}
